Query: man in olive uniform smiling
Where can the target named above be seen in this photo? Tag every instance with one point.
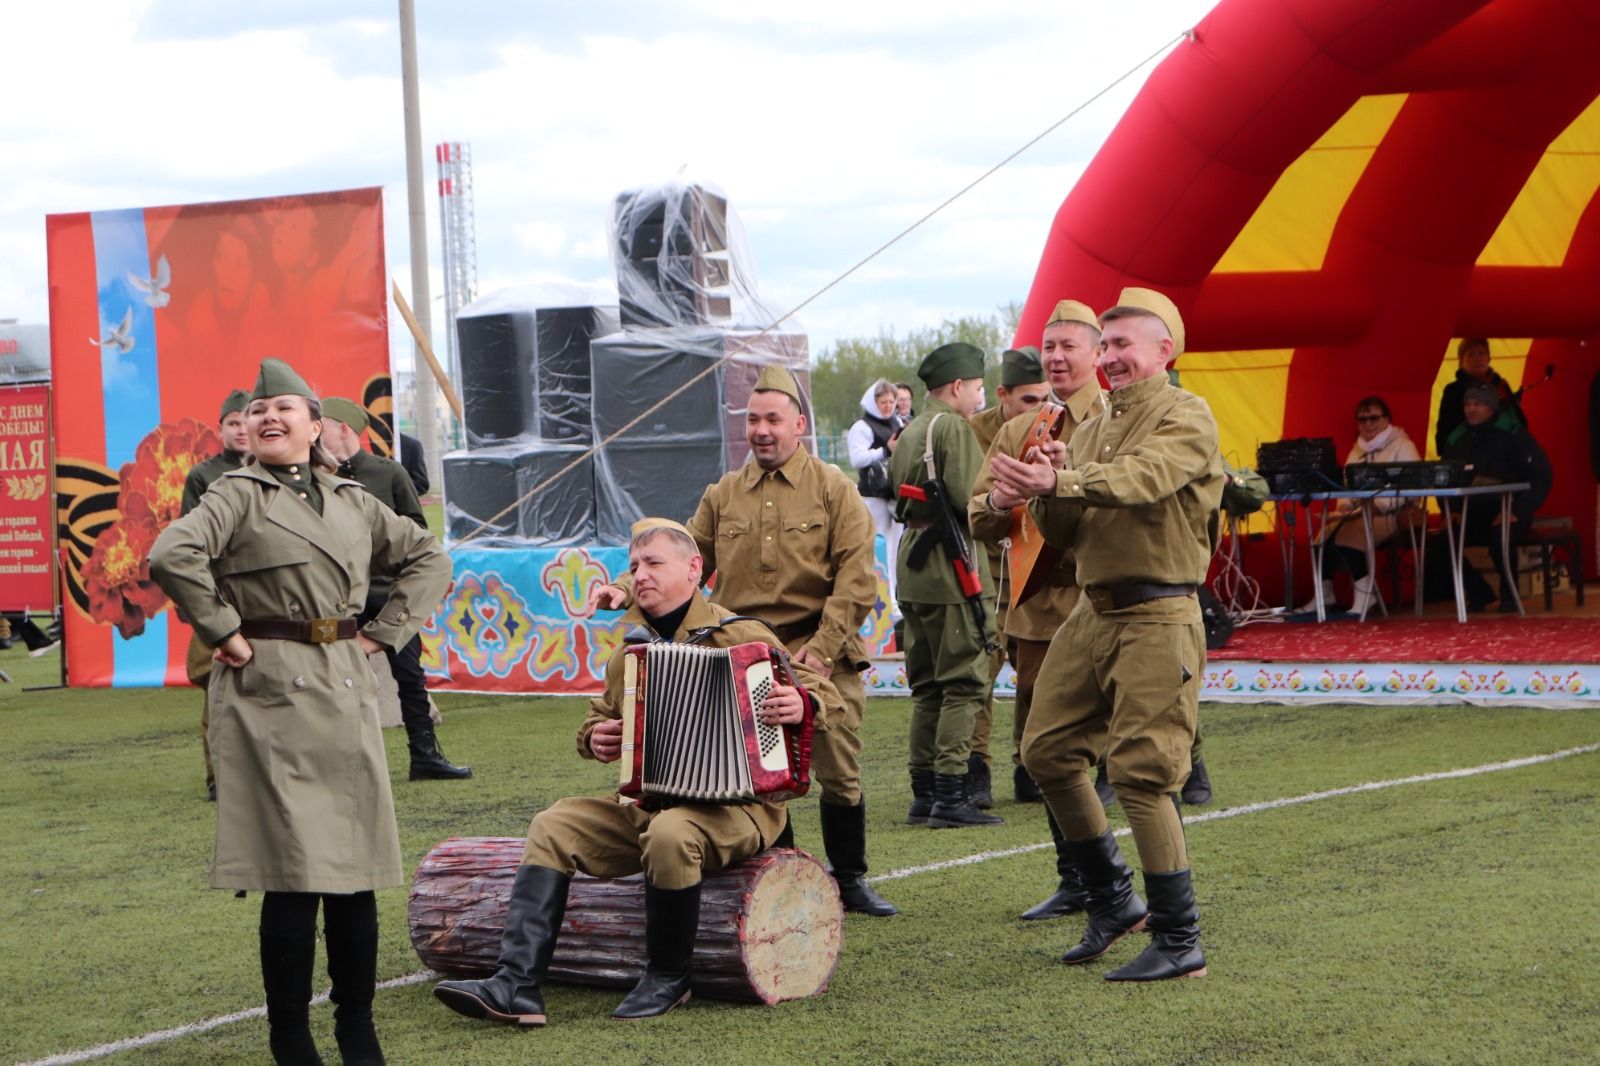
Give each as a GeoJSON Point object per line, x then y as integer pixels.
{"type": "Point", "coordinates": [1137, 502]}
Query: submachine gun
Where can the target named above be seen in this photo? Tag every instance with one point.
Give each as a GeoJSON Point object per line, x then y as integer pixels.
{"type": "Point", "coordinates": [947, 526]}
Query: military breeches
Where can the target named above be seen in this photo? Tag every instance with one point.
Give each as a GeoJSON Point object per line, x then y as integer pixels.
{"type": "Point", "coordinates": [1127, 689]}
{"type": "Point", "coordinates": [674, 848]}
{"type": "Point", "coordinates": [948, 671]}
{"type": "Point", "coordinates": [1027, 658]}
{"type": "Point", "coordinates": [836, 752]}
{"type": "Point", "coordinates": [197, 664]}
{"type": "Point", "coordinates": [983, 723]}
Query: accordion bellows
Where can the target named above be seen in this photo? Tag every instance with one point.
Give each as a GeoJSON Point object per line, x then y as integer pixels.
{"type": "Point", "coordinates": [691, 728]}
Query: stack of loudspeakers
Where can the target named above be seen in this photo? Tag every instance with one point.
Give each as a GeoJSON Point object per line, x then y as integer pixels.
{"type": "Point", "coordinates": [526, 385]}
{"type": "Point", "coordinates": [675, 283]}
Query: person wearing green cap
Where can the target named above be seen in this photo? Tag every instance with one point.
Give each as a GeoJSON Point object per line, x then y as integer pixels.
{"type": "Point", "coordinates": [790, 542]}
{"type": "Point", "coordinates": [946, 657]}
{"type": "Point", "coordinates": [343, 422]}
{"type": "Point", "coordinates": [1021, 390]}
{"type": "Point", "coordinates": [235, 448]}
{"type": "Point", "coordinates": [1138, 503]}
{"type": "Point", "coordinates": [271, 569]}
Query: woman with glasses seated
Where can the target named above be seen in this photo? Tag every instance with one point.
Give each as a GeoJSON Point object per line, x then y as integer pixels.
{"type": "Point", "coordinates": [1378, 440]}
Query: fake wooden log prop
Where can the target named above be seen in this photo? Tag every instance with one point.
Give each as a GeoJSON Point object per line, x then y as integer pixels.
{"type": "Point", "coordinates": [770, 927]}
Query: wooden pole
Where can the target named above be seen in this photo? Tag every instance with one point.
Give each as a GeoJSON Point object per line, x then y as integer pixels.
{"type": "Point", "coordinates": [427, 353]}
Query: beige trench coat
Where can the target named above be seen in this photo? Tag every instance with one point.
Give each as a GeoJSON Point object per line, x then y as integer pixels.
{"type": "Point", "coordinates": [303, 800]}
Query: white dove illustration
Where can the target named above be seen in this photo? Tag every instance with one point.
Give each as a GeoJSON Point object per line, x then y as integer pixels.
{"type": "Point", "coordinates": [154, 289]}
{"type": "Point", "coordinates": [121, 338]}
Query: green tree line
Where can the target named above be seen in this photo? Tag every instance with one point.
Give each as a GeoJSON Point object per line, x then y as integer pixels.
{"type": "Point", "coordinates": [842, 371]}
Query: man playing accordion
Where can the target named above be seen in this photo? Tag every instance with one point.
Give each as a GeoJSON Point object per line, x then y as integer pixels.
{"type": "Point", "coordinates": [674, 843]}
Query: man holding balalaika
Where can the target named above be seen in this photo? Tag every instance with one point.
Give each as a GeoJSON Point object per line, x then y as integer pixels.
{"type": "Point", "coordinates": [674, 841]}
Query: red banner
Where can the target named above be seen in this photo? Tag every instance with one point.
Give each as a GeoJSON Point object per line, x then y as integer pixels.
{"type": "Point", "coordinates": [155, 315]}
{"type": "Point", "coordinates": [27, 532]}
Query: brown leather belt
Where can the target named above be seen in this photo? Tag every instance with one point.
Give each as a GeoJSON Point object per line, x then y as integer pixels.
{"type": "Point", "coordinates": [1133, 593]}
{"type": "Point", "coordinates": [310, 631]}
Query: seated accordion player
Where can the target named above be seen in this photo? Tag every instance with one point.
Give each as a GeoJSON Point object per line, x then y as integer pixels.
{"type": "Point", "coordinates": [691, 727]}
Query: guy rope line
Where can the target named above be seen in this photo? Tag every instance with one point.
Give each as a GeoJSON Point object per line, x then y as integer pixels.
{"type": "Point", "coordinates": [744, 345]}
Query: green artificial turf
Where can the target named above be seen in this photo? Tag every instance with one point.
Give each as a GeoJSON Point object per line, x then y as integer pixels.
{"type": "Point", "coordinates": [1450, 921]}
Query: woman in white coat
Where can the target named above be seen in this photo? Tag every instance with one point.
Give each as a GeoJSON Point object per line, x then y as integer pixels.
{"type": "Point", "coordinates": [871, 440]}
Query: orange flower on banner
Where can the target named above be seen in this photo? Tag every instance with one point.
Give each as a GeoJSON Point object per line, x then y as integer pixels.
{"type": "Point", "coordinates": [603, 643]}
{"type": "Point", "coordinates": [553, 651]}
{"type": "Point", "coordinates": [152, 485]}
{"type": "Point", "coordinates": [117, 577]}
{"type": "Point", "coordinates": [572, 576]}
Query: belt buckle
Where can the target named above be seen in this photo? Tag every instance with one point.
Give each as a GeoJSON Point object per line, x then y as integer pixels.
{"type": "Point", "coordinates": [324, 630]}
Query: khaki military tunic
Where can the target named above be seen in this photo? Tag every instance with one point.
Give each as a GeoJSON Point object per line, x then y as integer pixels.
{"type": "Point", "coordinates": [303, 801]}
{"type": "Point", "coordinates": [197, 663]}
{"type": "Point", "coordinates": [612, 836]}
{"type": "Point", "coordinates": [1137, 503]}
{"type": "Point", "coordinates": [794, 547]}
{"type": "Point", "coordinates": [946, 664]}
{"type": "Point", "coordinates": [1035, 620]}
{"type": "Point", "coordinates": [985, 424]}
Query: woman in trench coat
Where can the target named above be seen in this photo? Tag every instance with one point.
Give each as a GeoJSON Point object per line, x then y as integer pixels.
{"type": "Point", "coordinates": [272, 568]}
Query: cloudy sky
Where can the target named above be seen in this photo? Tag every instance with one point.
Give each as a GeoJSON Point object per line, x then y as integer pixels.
{"type": "Point", "coordinates": [830, 124]}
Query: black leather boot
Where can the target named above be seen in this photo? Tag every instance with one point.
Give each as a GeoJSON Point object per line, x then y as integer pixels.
{"type": "Point", "coordinates": [1174, 949]}
{"type": "Point", "coordinates": [1070, 896]}
{"type": "Point", "coordinates": [844, 838]}
{"type": "Point", "coordinates": [952, 809]}
{"type": "Point", "coordinates": [921, 797]}
{"type": "Point", "coordinates": [979, 785]}
{"type": "Point", "coordinates": [1102, 785]}
{"type": "Point", "coordinates": [353, 969]}
{"type": "Point", "coordinates": [1022, 784]}
{"type": "Point", "coordinates": [1115, 909]}
{"type": "Point", "coordinates": [427, 761]}
{"type": "Point", "coordinates": [286, 964]}
{"type": "Point", "coordinates": [671, 923]}
{"type": "Point", "coordinates": [1197, 789]}
{"type": "Point", "coordinates": [533, 918]}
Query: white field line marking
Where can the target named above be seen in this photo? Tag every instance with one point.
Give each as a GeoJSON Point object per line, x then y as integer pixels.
{"type": "Point", "coordinates": [197, 1027]}
{"type": "Point", "coordinates": [893, 875]}
{"type": "Point", "coordinates": [1266, 805]}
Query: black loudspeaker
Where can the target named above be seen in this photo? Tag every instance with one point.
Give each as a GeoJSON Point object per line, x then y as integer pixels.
{"type": "Point", "coordinates": [562, 380]}
{"type": "Point", "coordinates": [525, 370]}
{"type": "Point", "coordinates": [635, 370]}
{"type": "Point", "coordinates": [671, 256]}
{"type": "Point", "coordinates": [479, 485]}
{"type": "Point", "coordinates": [496, 376]}
{"type": "Point", "coordinates": [647, 479]}
{"type": "Point", "coordinates": [1219, 624]}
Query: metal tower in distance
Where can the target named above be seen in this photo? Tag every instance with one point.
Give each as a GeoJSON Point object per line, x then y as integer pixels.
{"type": "Point", "coordinates": [458, 233]}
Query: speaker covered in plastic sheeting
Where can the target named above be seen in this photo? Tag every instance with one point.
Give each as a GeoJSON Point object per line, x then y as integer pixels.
{"type": "Point", "coordinates": [525, 362]}
{"type": "Point", "coordinates": [640, 479]}
{"type": "Point", "coordinates": [635, 370]}
{"type": "Point", "coordinates": [480, 484]}
{"type": "Point", "coordinates": [681, 259]}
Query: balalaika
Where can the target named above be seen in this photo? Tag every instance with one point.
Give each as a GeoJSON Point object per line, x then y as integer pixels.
{"type": "Point", "coordinates": [691, 727]}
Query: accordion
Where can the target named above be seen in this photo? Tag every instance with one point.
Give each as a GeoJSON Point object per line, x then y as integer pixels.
{"type": "Point", "coordinates": [691, 728]}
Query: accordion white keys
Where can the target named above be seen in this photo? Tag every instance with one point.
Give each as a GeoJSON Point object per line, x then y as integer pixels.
{"type": "Point", "coordinates": [691, 730]}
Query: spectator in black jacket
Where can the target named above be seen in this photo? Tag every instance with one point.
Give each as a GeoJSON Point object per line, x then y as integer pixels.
{"type": "Point", "coordinates": [416, 464]}
{"type": "Point", "coordinates": [1500, 449]}
{"type": "Point", "coordinates": [1472, 355]}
